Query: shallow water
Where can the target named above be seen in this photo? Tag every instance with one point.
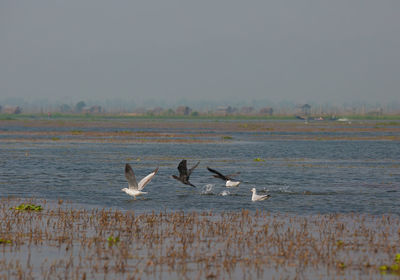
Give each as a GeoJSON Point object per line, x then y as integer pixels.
{"type": "Point", "coordinates": [303, 177]}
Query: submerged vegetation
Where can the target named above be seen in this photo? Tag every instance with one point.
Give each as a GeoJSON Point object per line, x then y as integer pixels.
{"type": "Point", "coordinates": [112, 244]}
{"type": "Point", "coordinates": [5, 241]}
{"type": "Point", "coordinates": [193, 130]}
{"type": "Point", "coordinates": [28, 207]}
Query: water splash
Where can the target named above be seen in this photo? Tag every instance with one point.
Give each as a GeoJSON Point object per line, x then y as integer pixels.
{"type": "Point", "coordinates": [208, 189]}
{"type": "Point", "coordinates": [285, 189]}
{"type": "Point", "coordinates": [225, 193]}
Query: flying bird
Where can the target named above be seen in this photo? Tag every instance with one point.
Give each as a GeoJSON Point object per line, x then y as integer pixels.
{"type": "Point", "coordinates": [229, 182]}
{"type": "Point", "coordinates": [257, 197]}
{"type": "Point", "coordinates": [134, 188]}
{"type": "Point", "coordinates": [184, 173]}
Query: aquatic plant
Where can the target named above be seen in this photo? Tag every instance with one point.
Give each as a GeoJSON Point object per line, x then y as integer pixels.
{"type": "Point", "coordinates": [112, 240]}
{"type": "Point", "coordinates": [341, 265]}
{"type": "Point", "coordinates": [339, 243]}
{"type": "Point", "coordinates": [394, 268]}
{"type": "Point", "coordinates": [76, 132]}
{"type": "Point", "coordinates": [113, 244]}
{"type": "Point", "coordinates": [28, 207]}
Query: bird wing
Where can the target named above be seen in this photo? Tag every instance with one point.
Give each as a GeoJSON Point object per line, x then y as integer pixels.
{"type": "Point", "coordinates": [265, 196]}
{"type": "Point", "coordinates": [147, 179]}
{"type": "Point", "coordinates": [191, 169]}
{"type": "Point", "coordinates": [219, 175]}
{"type": "Point", "coordinates": [182, 168]}
{"type": "Point", "coordinates": [130, 176]}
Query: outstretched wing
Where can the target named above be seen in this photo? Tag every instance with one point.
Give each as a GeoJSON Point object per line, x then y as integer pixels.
{"type": "Point", "coordinates": [130, 176]}
{"type": "Point", "coordinates": [182, 168]}
{"type": "Point", "coordinates": [147, 179]}
{"type": "Point", "coordinates": [219, 175]}
{"type": "Point", "coordinates": [191, 169]}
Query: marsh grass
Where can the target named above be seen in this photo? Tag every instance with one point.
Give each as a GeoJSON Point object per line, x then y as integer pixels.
{"type": "Point", "coordinates": [62, 241]}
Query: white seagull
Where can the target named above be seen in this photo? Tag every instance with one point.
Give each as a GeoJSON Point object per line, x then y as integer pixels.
{"type": "Point", "coordinates": [134, 188]}
{"type": "Point", "coordinates": [229, 182]}
{"type": "Point", "coordinates": [257, 197]}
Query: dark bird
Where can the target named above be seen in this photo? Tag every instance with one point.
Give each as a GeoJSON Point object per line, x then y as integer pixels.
{"type": "Point", "coordinates": [229, 182]}
{"type": "Point", "coordinates": [184, 173]}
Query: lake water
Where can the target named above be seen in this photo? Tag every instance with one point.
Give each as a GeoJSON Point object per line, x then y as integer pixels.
{"type": "Point", "coordinates": [302, 176]}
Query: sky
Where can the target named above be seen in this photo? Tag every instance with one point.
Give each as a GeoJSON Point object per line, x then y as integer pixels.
{"type": "Point", "coordinates": [161, 52]}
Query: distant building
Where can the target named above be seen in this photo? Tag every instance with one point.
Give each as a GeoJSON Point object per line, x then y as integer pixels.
{"type": "Point", "coordinates": [157, 111]}
{"type": "Point", "coordinates": [139, 111]}
{"type": "Point", "coordinates": [183, 111]}
{"type": "Point", "coordinates": [65, 108]}
{"type": "Point", "coordinates": [11, 110]}
{"type": "Point", "coordinates": [377, 112]}
{"type": "Point", "coordinates": [92, 110]}
{"type": "Point", "coordinates": [225, 110]}
{"type": "Point", "coordinates": [85, 110]}
{"type": "Point", "coordinates": [267, 111]}
{"type": "Point", "coordinates": [96, 109]}
{"type": "Point", "coordinates": [303, 110]}
{"type": "Point", "coordinates": [169, 112]}
{"type": "Point", "coordinates": [246, 110]}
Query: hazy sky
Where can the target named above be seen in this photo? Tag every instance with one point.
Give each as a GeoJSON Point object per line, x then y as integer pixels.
{"type": "Point", "coordinates": [302, 51]}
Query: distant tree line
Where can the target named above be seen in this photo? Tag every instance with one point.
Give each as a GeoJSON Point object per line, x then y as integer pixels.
{"type": "Point", "coordinates": [298, 110]}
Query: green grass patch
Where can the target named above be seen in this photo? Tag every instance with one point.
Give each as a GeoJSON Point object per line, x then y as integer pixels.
{"type": "Point", "coordinates": [28, 207]}
{"type": "Point", "coordinates": [388, 123]}
{"type": "Point", "coordinates": [363, 117]}
{"type": "Point", "coordinates": [5, 241]}
{"type": "Point", "coordinates": [76, 132]}
{"type": "Point", "coordinates": [112, 240]}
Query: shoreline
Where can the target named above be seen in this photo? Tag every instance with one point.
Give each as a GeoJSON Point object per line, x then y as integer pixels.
{"type": "Point", "coordinates": [192, 131]}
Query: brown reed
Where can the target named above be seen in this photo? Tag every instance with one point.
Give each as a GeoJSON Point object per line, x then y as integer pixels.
{"type": "Point", "coordinates": [63, 242]}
